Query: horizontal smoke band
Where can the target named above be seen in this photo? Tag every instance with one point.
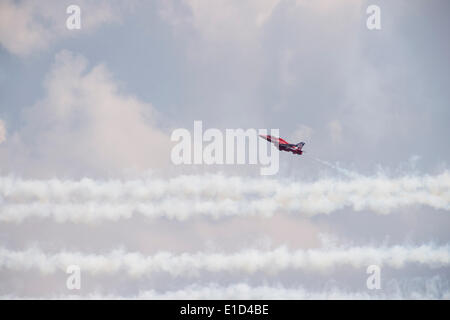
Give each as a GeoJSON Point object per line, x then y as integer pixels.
{"type": "Point", "coordinates": [243, 291]}
{"type": "Point", "coordinates": [245, 261]}
{"type": "Point", "coordinates": [15, 190]}
{"type": "Point", "coordinates": [185, 209]}
{"type": "Point", "coordinates": [214, 196]}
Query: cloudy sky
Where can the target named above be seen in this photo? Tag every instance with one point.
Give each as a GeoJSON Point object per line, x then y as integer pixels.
{"type": "Point", "coordinates": [86, 176]}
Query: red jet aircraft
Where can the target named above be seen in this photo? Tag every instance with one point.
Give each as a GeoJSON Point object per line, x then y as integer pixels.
{"type": "Point", "coordinates": [283, 145]}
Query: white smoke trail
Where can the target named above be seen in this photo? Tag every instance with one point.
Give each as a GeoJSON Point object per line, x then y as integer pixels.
{"type": "Point", "coordinates": [346, 172]}
{"type": "Point", "coordinates": [247, 261]}
{"type": "Point", "coordinates": [215, 196]}
{"type": "Point", "coordinates": [242, 291]}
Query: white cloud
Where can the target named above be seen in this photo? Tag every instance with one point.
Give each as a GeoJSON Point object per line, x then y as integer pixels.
{"type": "Point", "coordinates": [222, 20]}
{"type": "Point", "coordinates": [302, 133]}
{"type": "Point", "coordinates": [86, 124]}
{"type": "Point", "coordinates": [26, 26]}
